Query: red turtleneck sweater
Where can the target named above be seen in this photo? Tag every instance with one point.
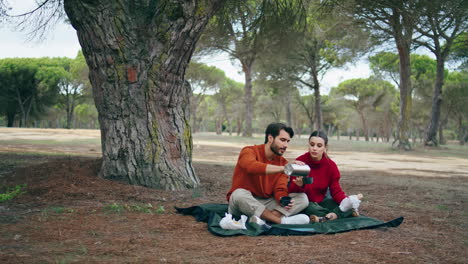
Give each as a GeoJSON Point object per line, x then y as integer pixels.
{"type": "Point", "coordinates": [325, 174]}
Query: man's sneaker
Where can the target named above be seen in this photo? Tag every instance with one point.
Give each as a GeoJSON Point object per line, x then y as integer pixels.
{"type": "Point", "coordinates": [257, 220]}
{"type": "Point", "coordinates": [300, 219]}
{"type": "Point", "coordinates": [227, 222]}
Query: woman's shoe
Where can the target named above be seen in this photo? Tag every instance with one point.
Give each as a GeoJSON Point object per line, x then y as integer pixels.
{"type": "Point", "coordinates": [318, 219]}
{"type": "Point", "coordinates": [331, 216]}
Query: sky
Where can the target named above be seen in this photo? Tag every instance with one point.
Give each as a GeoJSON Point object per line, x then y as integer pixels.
{"type": "Point", "coordinates": [63, 42]}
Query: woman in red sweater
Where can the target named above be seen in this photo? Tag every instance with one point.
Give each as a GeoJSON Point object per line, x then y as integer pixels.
{"type": "Point", "coordinates": [326, 177]}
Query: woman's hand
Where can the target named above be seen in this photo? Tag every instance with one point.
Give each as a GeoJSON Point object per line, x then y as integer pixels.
{"type": "Point", "coordinates": [298, 181]}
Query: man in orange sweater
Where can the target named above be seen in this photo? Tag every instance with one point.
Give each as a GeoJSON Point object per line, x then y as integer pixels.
{"type": "Point", "coordinates": [259, 185]}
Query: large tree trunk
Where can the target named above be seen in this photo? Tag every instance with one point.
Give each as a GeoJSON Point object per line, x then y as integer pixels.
{"type": "Point", "coordinates": [431, 132]}
{"type": "Point", "coordinates": [137, 53]}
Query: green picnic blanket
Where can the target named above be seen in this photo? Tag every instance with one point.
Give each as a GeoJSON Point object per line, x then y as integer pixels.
{"type": "Point", "coordinates": [213, 213]}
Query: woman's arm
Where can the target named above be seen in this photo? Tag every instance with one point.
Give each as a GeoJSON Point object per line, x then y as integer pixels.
{"type": "Point", "coordinates": [335, 188]}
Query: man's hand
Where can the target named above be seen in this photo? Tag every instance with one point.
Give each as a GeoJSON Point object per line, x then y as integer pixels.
{"type": "Point", "coordinates": [298, 181]}
{"type": "Point", "coordinates": [298, 162]}
{"type": "Point", "coordinates": [290, 205]}
{"type": "Point", "coordinates": [287, 202]}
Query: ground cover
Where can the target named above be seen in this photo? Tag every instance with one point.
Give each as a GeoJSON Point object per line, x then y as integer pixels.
{"type": "Point", "coordinates": [70, 215]}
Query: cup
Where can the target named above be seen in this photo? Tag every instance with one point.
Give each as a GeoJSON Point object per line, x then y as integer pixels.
{"type": "Point", "coordinates": [307, 180]}
{"type": "Point", "coordinates": [285, 200]}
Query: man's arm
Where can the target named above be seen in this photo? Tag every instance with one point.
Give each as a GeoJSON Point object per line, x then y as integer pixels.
{"type": "Point", "coordinates": [272, 169]}
{"type": "Point", "coordinates": [248, 161]}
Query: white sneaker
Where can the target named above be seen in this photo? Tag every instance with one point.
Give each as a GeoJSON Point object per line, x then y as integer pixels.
{"type": "Point", "coordinates": [259, 221]}
{"type": "Point", "coordinates": [355, 201]}
{"type": "Point", "coordinates": [300, 219]}
{"type": "Point", "coordinates": [229, 223]}
{"type": "Point", "coordinates": [346, 205]}
{"type": "Point", "coordinates": [351, 202]}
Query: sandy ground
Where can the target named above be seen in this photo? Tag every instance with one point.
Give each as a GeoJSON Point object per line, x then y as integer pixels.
{"type": "Point", "coordinates": [226, 153]}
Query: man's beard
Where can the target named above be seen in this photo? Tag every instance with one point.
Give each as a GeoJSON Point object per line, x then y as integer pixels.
{"type": "Point", "coordinates": [276, 149]}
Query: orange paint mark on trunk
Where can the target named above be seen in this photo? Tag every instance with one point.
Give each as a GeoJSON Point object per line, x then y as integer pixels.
{"type": "Point", "coordinates": [131, 75]}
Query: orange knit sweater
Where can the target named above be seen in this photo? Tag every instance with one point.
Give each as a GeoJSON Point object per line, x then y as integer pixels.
{"type": "Point", "coordinates": [249, 174]}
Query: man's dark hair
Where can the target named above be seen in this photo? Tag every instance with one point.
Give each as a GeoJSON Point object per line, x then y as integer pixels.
{"type": "Point", "coordinates": [320, 134]}
{"type": "Point", "coordinates": [274, 129]}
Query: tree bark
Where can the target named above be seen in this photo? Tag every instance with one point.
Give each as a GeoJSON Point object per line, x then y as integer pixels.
{"type": "Point", "coordinates": [364, 124]}
{"type": "Point", "coordinates": [288, 110]}
{"type": "Point", "coordinates": [10, 118]}
{"type": "Point", "coordinates": [239, 126]}
{"type": "Point", "coordinates": [309, 113]}
{"type": "Point", "coordinates": [441, 134]}
{"type": "Point", "coordinates": [405, 95]}
{"type": "Point", "coordinates": [461, 131]}
{"type": "Point", "coordinates": [137, 53]}
{"type": "Point", "coordinates": [431, 133]}
{"type": "Point", "coordinates": [248, 100]}
{"type": "Point", "coordinates": [318, 109]}
{"type": "Point", "coordinates": [318, 105]}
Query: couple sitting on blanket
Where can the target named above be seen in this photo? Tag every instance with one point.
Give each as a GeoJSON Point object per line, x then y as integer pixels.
{"type": "Point", "coordinates": [259, 183]}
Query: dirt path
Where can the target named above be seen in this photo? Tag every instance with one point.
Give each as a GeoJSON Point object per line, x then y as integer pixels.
{"type": "Point", "coordinates": [25, 140]}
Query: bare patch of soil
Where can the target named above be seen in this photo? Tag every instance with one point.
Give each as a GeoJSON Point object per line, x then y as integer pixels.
{"type": "Point", "coordinates": [70, 215]}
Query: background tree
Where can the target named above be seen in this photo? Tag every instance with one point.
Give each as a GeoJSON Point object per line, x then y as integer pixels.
{"type": "Point", "coordinates": [385, 65]}
{"type": "Point", "coordinates": [203, 79]}
{"type": "Point", "coordinates": [364, 95]}
{"type": "Point", "coordinates": [442, 22]}
{"type": "Point", "coordinates": [340, 111]}
{"type": "Point", "coordinates": [306, 105]}
{"type": "Point", "coordinates": [74, 88]}
{"type": "Point", "coordinates": [329, 40]}
{"type": "Point", "coordinates": [29, 85]}
{"type": "Point", "coordinates": [394, 20]}
{"type": "Point", "coordinates": [86, 115]}
{"type": "Point", "coordinates": [227, 98]}
{"type": "Point", "coordinates": [137, 53]}
{"type": "Point", "coordinates": [456, 98]}
{"type": "Point", "coordinates": [245, 30]}
{"type": "Point", "coordinates": [460, 51]}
